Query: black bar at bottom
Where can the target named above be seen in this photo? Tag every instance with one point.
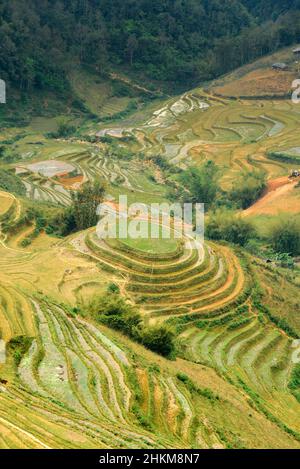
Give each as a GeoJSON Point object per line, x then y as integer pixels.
{"type": "Point", "coordinates": [137, 458]}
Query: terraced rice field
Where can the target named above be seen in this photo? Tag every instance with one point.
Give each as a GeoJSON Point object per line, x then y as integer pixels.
{"type": "Point", "coordinates": [189, 281]}
{"type": "Point", "coordinates": [236, 134]}
{"type": "Point", "coordinates": [82, 385]}
{"type": "Point", "coordinates": [89, 162]}
{"type": "Point", "coordinates": [195, 127]}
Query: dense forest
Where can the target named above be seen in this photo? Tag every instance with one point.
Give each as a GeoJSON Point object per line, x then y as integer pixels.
{"type": "Point", "coordinates": [170, 40]}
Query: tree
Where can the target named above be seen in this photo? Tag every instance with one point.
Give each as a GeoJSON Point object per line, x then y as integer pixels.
{"type": "Point", "coordinates": [247, 188]}
{"type": "Point", "coordinates": [132, 46]}
{"type": "Point", "coordinates": [159, 339]}
{"type": "Point", "coordinates": [284, 235]}
{"type": "Point", "coordinates": [201, 183]}
{"type": "Point", "coordinates": [64, 128]}
{"type": "Point", "coordinates": [111, 309]}
{"type": "Point", "coordinates": [224, 224]}
{"type": "Point", "coordinates": [85, 203]}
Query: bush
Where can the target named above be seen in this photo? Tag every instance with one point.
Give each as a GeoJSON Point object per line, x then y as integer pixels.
{"type": "Point", "coordinates": [10, 182]}
{"type": "Point", "coordinates": [111, 309]}
{"type": "Point", "coordinates": [201, 183]}
{"type": "Point", "coordinates": [18, 346]}
{"type": "Point", "coordinates": [204, 392]}
{"type": "Point", "coordinates": [225, 225]}
{"type": "Point", "coordinates": [294, 383]}
{"type": "Point", "coordinates": [113, 288]}
{"type": "Point", "coordinates": [248, 188]}
{"type": "Point", "coordinates": [63, 223]}
{"type": "Point", "coordinates": [65, 129]}
{"type": "Point", "coordinates": [122, 89]}
{"type": "Point", "coordinates": [284, 235]}
{"type": "Point", "coordinates": [85, 203]}
{"type": "Point", "coordinates": [159, 339]}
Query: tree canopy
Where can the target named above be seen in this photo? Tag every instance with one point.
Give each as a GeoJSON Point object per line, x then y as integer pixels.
{"type": "Point", "coordinates": [170, 40]}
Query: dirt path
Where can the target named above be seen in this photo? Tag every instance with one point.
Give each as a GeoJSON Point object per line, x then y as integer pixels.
{"type": "Point", "coordinates": [269, 202]}
{"type": "Point", "coordinates": [116, 76]}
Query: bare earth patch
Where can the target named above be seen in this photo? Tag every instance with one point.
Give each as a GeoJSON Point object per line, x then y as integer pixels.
{"type": "Point", "coordinates": [262, 82]}
{"type": "Point", "coordinates": [279, 197]}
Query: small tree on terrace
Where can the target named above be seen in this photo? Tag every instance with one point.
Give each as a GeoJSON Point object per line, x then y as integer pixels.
{"type": "Point", "coordinates": [284, 235]}
{"type": "Point", "coordinates": [247, 188]}
{"type": "Point", "coordinates": [85, 203]}
{"type": "Point", "coordinates": [202, 182]}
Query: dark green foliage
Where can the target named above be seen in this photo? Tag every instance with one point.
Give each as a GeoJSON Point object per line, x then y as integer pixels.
{"type": "Point", "coordinates": [122, 89]}
{"type": "Point", "coordinates": [112, 310]}
{"type": "Point", "coordinates": [164, 165]}
{"type": "Point", "coordinates": [18, 346]}
{"type": "Point", "coordinates": [10, 182]}
{"type": "Point", "coordinates": [85, 203]}
{"type": "Point", "coordinates": [204, 392]}
{"type": "Point", "coordinates": [238, 323]}
{"type": "Point", "coordinates": [247, 188]}
{"type": "Point", "coordinates": [284, 156]}
{"type": "Point", "coordinates": [65, 129]}
{"type": "Point", "coordinates": [182, 41]}
{"type": "Point", "coordinates": [159, 339]}
{"type": "Point", "coordinates": [62, 223]}
{"type": "Point", "coordinates": [113, 288]}
{"type": "Point", "coordinates": [284, 235]}
{"type": "Point", "coordinates": [294, 383]}
{"type": "Point", "coordinates": [200, 183]}
{"type": "Point", "coordinates": [225, 225]}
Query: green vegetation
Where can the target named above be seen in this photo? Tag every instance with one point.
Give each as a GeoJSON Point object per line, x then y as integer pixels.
{"type": "Point", "coordinates": [159, 339]}
{"type": "Point", "coordinates": [180, 41]}
{"type": "Point", "coordinates": [10, 182]}
{"type": "Point", "coordinates": [284, 235]}
{"type": "Point", "coordinates": [247, 188]}
{"type": "Point", "coordinates": [200, 183]}
{"type": "Point", "coordinates": [294, 383]}
{"type": "Point", "coordinates": [81, 214]}
{"type": "Point", "coordinates": [18, 347]}
{"type": "Point", "coordinates": [285, 157]}
{"type": "Point", "coordinates": [64, 129]}
{"type": "Point", "coordinates": [205, 392]}
{"type": "Point", "coordinates": [113, 311]}
{"type": "Point", "coordinates": [226, 225]}
{"type": "Point", "coordinates": [148, 343]}
{"type": "Point", "coordinates": [85, 203]}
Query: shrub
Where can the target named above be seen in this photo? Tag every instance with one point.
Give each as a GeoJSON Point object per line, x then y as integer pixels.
{"type": "Point", "coordinates": [248, 188]}
{"type": "Point", "coordinates": [284, 235]}
{"type": "Point", "coordinates": [159, 339]}
{"type": "Point", "coordinates": [62, 223]}
{"type": "Point", "coordinates": [18, 346]}
{"type": "Point", "coordinates": [201, 183]}
{"type": "Point", "coordinates": [10, 182]}
{"type": "Point", "coordinates": [204, 392]}
{"type": "Point", "coordinates": [113, 288]}
{"type": "Point", "coordinates": [65, 129]}
{"type": "Point", "coordinates": [294, 383]}
{"type": "Point", "coordinates": [112, 310]}
{"type": "Point", "coordinates": [224, 224]}
{"type": "Point", "coordinates": [85, 203]}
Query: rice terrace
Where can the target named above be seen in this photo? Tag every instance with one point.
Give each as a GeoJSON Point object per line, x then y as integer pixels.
{"type": "Point", "coordinates": [131, 342]}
